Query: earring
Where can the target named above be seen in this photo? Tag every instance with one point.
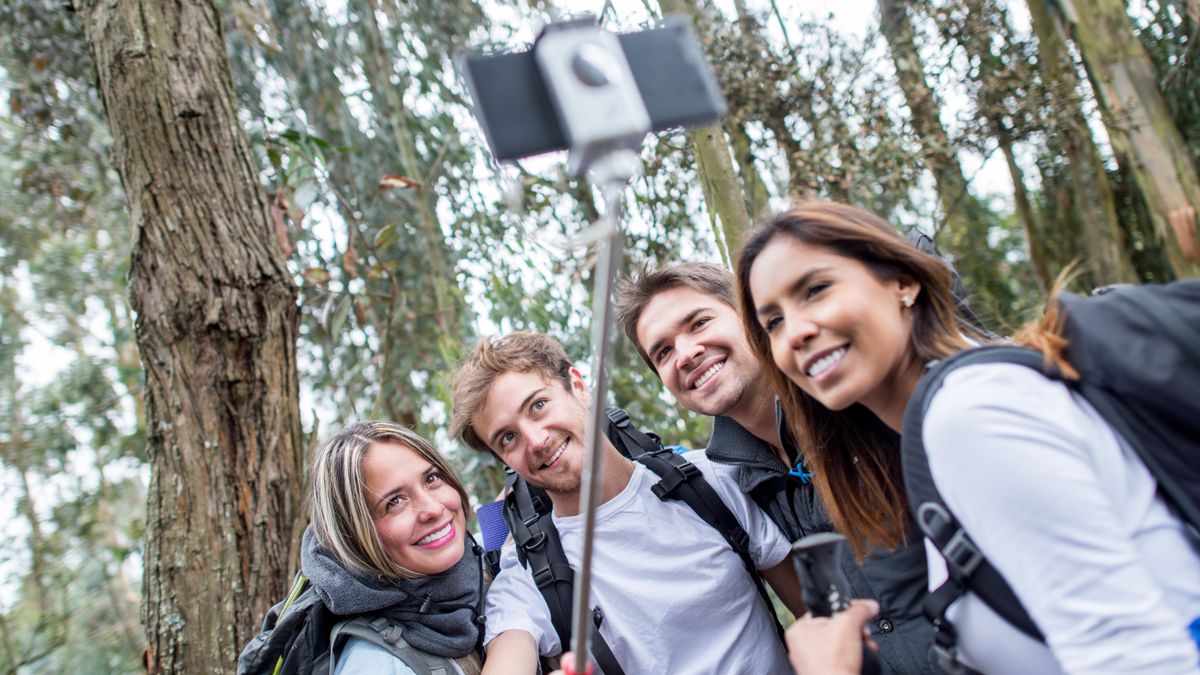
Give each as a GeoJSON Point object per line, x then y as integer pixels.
{"type": "Point", "coordinates": [906, 300]}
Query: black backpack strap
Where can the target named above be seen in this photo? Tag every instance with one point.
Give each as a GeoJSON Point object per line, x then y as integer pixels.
{"type": "Point", "coordinates": [777, 497]}
{"type": "Point", "coordinates": [600, 649]}
{"type": "Point", "coordinates": [968, 569]}
{"type": "Point", "coordinates": [628, 439]}
{"type": "Point", "coordinates": [680, 479]}
{"type": "Point", "coordinates": [539, 549]}
{"type": "Point", "coordinates": [527, 510]}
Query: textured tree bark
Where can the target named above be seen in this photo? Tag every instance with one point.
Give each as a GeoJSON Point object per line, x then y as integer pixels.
{"type": "Point", "coordinates": [216, 327]}
{"type": "Point", "coordinates": [722, 189]}
{"type": "Point", "coordinates": [753, 186]}
{"type": "Point", "coordinates": [1093, 200]}
{"type": "Point", "coordinates": [1140, 124]}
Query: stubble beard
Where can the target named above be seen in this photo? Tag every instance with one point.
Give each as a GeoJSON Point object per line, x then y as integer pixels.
{"type": "Point", "coordinates": [566, 480]}
{"type": "Point", "coordinates": [725, 404]}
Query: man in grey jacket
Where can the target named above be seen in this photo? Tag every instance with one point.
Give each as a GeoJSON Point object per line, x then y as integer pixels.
{"type": "Point", "coordinates": [682, 320]}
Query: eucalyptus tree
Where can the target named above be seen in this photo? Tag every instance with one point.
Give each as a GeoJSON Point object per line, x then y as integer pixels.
{"type": "Point", "coordinates": [1140, 124]}
{"type": "Point", "coordinates": [216, 327]}
{"type": "Point", "coordinates": [968, 227]}
{"type": "Point", "coordinates": [1168, 30]}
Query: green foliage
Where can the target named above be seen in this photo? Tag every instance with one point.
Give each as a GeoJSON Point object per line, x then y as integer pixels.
{"type": "Point", "coordinates": [71, 446]}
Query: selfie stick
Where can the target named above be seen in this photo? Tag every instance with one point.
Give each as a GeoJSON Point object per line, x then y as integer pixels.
{"type": "Point", "coordinates": [576, 90]}
{"type": "Point", "coordinates": [604, 119]}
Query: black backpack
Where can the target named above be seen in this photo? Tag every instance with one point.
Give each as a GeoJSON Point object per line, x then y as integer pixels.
{"type": "Point", "coordinates": [1137, 351]}
{"type": "Point", "coordinates": [527, 510]}
{"type": "Point", "coordinates": [300, 633]}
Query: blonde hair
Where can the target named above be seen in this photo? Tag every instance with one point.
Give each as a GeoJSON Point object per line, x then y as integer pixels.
{"type": "Point", "coordinates": [519, 352]}
{"type": "Point", "coordinates": [341, 516]}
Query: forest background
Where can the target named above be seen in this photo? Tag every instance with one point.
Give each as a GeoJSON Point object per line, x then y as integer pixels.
{"type": "Point", "coordinates": [231, 226]}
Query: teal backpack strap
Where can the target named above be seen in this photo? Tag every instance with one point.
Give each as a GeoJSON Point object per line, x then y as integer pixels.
{"type": "Point", "coordinates": [381, 632]}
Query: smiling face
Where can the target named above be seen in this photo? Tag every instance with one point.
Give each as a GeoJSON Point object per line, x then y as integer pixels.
{"type": "Point", "coordinates": [536, 426]}
{"type": "Point", "coordinates": [418, 515]}
{"type": "Point", "coordinates": [698, 350]}
{"type": "Point", "coordinates": [836, 330]}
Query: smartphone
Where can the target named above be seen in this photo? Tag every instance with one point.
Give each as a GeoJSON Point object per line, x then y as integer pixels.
{"type": "Point", "coordinates": [518, 118]}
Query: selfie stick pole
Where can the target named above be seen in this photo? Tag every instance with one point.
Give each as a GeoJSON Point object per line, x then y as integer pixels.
{"type": "Point", "coordinates": [605, 120]}
{"type": "Point", "coordinates": [613, 173]}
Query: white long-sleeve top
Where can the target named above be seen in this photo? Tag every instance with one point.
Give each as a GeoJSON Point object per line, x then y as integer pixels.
{"type": "Point", "coordinates": [1069, 515]}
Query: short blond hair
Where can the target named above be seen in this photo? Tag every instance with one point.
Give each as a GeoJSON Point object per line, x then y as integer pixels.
{"type": "Point", "coordinates": [341, 516]}
{"type": "Point", "coordinates": [520, 352]}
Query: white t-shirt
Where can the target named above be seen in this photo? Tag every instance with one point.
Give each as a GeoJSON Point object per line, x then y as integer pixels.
{"type": "Point", "coordinates": [675, 597]}
{"type": "Point", "coordinates": [1070, 517]}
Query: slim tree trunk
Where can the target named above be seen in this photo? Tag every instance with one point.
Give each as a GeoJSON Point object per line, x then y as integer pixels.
{"type": "Point", "coordinates": [1093, 200]}
{"type": "Point", "coordinates": [753, 185]}
{"type": "Point", "coordinates": [1033, 238]}
{"type": "Point", "coordinates": [394, 116]}
{"type": "Point", "coordinates": [965, 232]}
{"type": "Point", "coordinates": [1140, 124]}
{"type": "Point", "coordinates": [216, 327]}
{"type": "Point", "coordinates": [722, 187]}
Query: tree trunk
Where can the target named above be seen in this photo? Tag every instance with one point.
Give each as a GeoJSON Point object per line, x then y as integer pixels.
{"type": "Point", "coordinates": [1140, 124]}
{"type": "Point", "coordinates": [722, 187]}
{"type": "Point", "coordinates": [753, 186]}
{"type": "Point", "coordinates": [1093, 200]}
{"type": "Point", "coordinates": [1033, 238]}
{"type": "Point", "coordinates": [216, 327]}
{"type": "Point", "coordinates": [394, 115]}
{"type": "Point", "coordinates": [966, 234]}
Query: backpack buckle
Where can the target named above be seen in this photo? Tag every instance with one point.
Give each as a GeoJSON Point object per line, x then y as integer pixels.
{"type": "Point", "coordinates": [945, 657]}
{"type": "Point", "coordinates": [618, 416]}
{"type": "Point", "coordinates": [945, 650]}
{"type": "Point", "coordinates": [535, 544]}
{"type": "Point", "coordinates": [676, 476]}
{"type": "Point", "coordinates": [543, 576]}
{"type": "Point", "coordinates": [961, 554]}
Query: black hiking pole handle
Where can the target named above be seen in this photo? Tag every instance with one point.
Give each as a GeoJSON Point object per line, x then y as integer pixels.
{"type": "Point", "coordinates": [818, 561]}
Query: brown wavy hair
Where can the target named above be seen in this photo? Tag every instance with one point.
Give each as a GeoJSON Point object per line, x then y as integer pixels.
{"type": "Point", "coordinates": [854, 456]}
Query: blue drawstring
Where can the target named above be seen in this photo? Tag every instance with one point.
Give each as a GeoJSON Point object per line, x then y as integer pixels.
{"type": "Point", "coordinates": [800, 473]}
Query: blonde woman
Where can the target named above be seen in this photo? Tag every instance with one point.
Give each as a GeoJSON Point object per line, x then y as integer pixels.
{"type": "Point", "coordinates": [388, 548]}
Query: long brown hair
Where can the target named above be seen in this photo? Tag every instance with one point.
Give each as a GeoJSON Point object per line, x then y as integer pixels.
{"type": "Point", "coordinates": [853, 455]}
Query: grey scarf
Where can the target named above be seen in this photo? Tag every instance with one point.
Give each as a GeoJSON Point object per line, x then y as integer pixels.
{"type": "Point", "coordinates": [441, 613]}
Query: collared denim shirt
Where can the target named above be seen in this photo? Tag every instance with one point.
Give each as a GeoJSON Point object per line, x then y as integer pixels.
{"type": "Point", "coordinates": [897, 579]}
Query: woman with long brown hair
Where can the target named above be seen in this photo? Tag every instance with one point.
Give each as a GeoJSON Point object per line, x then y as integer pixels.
{"type": "Point", "coordinates": [845, 315]}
